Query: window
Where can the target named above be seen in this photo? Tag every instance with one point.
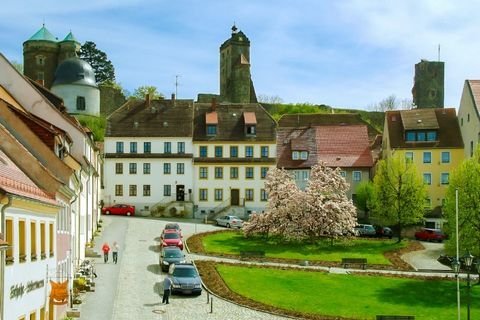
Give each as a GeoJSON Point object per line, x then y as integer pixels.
{"type": "Point", "coordinates": [409, 157]}
{"type": "Point", "coordinates": [146, 168]}
{"type": "Point", "coordinates": [203, 194]}
{"type": "Point", "coordinates": [167, 169]}
{"type": "Point", "coordinates": [211, 130]}
{"type": "Point", "coordinates": [132, 168]}
{"type": "Point", "coordinates": [428, 203]}
{"type": "Point", "coordinates": [343, 174]}
{"type": "Point", "coordinates": [263, 172]}
{"type": "Point", "coordinates": [357, 175]}
{"type": "Point", "coordinates": [233, 172]}
{"type": "Point", "coordinates": [180, 168]}
{"type": "Point", "coordinates": [445, 178]}
{"type": "Point", "coordinates": [304, 155]}
{"type": "Point", "coordinates": [218, 173]}
{"type": "Point", "coordinates": [33, 240]}
{"type": "Point", "coordinates": [427, 178]}
{"type": "Point", "coordinates": [248, 194]}
{"type": "Point", "coordinates": [249, 173]}
{"type": "Point", "coordinates": [51, 239]}
{"type": "Point", "coordinates": [218, 151]}
{"type": "Point", "coordinates": [133, 147]}
{"type": "Point", "coordinates": [9, 239]}
{"type": "Point", "coordinates": [468, 117]}
{"type": "Point", "coordinates": [461, 122]}
{"type": "Point", "coordinates": [181, 147]}
{"type": "Point", "coordinates": [119, 190]}
{"type": "Point", "coordinates": [233, 152]}
{"type": "Point", "coordinates": [471, 148]}
{"type": "Point", "coordinates": [203, 172]}
{"type": "Point", "coordinates": [80, 103]}
{"type": "Point", "coordinates": [251, 130]}
{"type": "Point", "coordinates": [40, 60]}
{"type": "Point", "coordinates": [249, 151]}
{"type": "Point", "coordinates": [40, 76]}
{"type": "Point", "coordinates": [295, 155]}
{"type": "Point", "coordinates": [203, 151]}
{"type": "Point", "coordinates": [421, 136]}
{"type": "Point", "coordinates": [427, 157]}
{"type": "Point", "coordinates": [264, 151]}
{"type": "Point", "coordinates": [167, 190]}
{"type": "Point", "coordinates": [445, 157]}
{"type": "Point", "coordinates": [119, 147]}
{"type": "Point", "coordinates": [218, 194]}
{"type": "Point", "coordinates": [167, 147]}
{"type": "Point", "coordinates": [43, 249]}
{"type": "Point", "coordinates": [119, 168]}
{"type": "Point", "coordinates": [147, 147]}
{"type": "Point", "coordinates": [263, 195]}
{"type": "Point", "coordinates": [132, 190]}
{"type": "Point", "coordinates": [410, 136]}
{"type": "Point", "coordinates": [22, 236]}
{"type": "Point", "coordinates": [431, 136]}
{"type": "Point", "coordinates": [146, 190]}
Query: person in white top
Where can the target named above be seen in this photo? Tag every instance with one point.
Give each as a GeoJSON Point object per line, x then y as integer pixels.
{"type": "Point", "coordinates": [115, 252]}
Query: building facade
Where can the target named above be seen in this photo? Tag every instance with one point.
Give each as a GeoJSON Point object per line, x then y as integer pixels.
{"type": "Point", "coordinates": [469, 116]}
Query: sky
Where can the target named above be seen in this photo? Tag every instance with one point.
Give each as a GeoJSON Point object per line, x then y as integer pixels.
{"type": "Point", "coordinates": [343, 53]}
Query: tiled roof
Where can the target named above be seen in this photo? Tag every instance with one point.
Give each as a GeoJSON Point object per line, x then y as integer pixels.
{"type": "Point", "coordinates": [449, 135]}
{"type": "Point", "coordinates": [418, 119]}
{"type": "Point", "coordinates": [155, 118]}
{"type": "Point", "coordinates": [326, 119]}
{"type": "Point", "coordinates": [15, 181]}
{"type": "Point", "coordinates": [231, 122]}
{"type": "Point", "coordinates": [345, 146]}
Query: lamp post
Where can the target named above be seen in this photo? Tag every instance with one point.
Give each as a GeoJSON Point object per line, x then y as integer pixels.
{"type": "Point", "coordinates": [468, 262]}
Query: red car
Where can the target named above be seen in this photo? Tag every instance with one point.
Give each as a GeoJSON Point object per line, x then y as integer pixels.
{"type": "Point", "coordinates": [119, 209]}
{"type": "Point", "coordinates": [172, 238]}
{"type": "Point", "coordinates": [430, 235]}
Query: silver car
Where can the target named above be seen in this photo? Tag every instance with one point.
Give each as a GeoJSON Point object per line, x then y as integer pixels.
{"type": "Point", "coordinates": [366, 230]}
{"type": "Point", "coordinates": [230, 222]}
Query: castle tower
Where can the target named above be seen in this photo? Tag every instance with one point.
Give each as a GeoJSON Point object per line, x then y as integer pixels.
{"type": "Point", "coordinates": [428, 88]}
{"type": "Point", "coordinates": [68, 48]}
{"type": "Point", "coordinates": [235, 79]}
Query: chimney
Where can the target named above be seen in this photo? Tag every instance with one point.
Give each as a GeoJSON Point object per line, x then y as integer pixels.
{"type": "Point", "coordinates": [214, 104]}
{"type": "Point", "coordinates": [147, 100]}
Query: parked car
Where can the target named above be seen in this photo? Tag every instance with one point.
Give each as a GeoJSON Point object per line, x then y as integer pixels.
{"type": "Point", "coordinates": [430, 235]}
{"type": "Point", "coordinates": [170, 255]}
{"type": "Point", "coordinates": [383, 232]}
{"type": "Point", "coordinates": [366, 230]}
{"type": "Point", "coordinates": [124, 209]}
{"type": "Point", "coordinates": [172, 226]}
{"type": "Point", "coordinates": [172, 238]}
{"type": "Point", "coordinates": [230, 221]}
{"type": "Point", "coordinates": [185, 279]}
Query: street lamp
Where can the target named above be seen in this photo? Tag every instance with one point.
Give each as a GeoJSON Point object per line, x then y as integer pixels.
{"type": "Point", "coordinates": [468, 261]}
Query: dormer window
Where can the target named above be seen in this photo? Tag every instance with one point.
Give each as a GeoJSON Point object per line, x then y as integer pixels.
{"type": "Point", "coordinates": [299, 155]}
{"type": "Point", "coordinates": [420, 136]}
{"type": "Point", "coordinates": [250, 123]}
{"type": "Point", "coordinates": [211, 119]}
{"type": "Point", "coordinates": [211, 130]}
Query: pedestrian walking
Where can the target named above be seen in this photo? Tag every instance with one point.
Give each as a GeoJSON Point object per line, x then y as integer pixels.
{"type": "Point", "coordinates": [105, 249]}
{"type": "Point", "coordinates": [115, 248]}
{"type": "Point", "coordinates": [167, 284]}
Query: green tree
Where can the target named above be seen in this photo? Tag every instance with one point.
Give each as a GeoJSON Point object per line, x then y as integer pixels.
{"type": "Point", "coordinates": [364, 197]}
{"type": "Point", "coordinates": [104, 70]}
{"type": "Point", "coordinates": [466, 179]}
{"type": "Point", "coordinates": [399, 193]}
{"type": "Point", "coordinates": [142, 91]}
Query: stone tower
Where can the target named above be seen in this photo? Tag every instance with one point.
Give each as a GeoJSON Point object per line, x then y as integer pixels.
{"type": "Point", "coordinates": [42, 54]}
{"type": "Point", "coordinates": [236, 84]}
{"type": "Point", "coordinates": [428, 88]}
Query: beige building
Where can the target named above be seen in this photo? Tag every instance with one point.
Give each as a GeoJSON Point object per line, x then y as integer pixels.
{"type": "Point", "coordinates": [469, 116]}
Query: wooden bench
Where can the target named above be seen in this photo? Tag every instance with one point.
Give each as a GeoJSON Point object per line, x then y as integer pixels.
{"type": "Point", "coordinates": [252, 254]}
{"type": "Point", "coordinates": [355, 261]}
{"type": "Point", "coordinates": [384, 317]}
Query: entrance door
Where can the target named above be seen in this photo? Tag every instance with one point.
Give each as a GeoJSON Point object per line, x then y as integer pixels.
{"type": "Point", "coordinates": [180, 192]}
{"type": "Point", "coordinates": [234, 197]}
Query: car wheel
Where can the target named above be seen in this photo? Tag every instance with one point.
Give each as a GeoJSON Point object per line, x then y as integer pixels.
{"type": "Point", "coordinates": [228, 225]}
{"type": "Point", "coordinates": [128, 213]}
{"type": "Point", "coordinates": [107, 212]}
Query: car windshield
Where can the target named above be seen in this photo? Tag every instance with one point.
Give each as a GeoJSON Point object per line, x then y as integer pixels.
{"type": "Point", "coordinates": [173, 254]}
{"type": "Point", "coordinates": [234, 218]}
{"type": "Point", "coordinates": [171, 236]}
{"type": "Point", "coordinates": [185, 272]}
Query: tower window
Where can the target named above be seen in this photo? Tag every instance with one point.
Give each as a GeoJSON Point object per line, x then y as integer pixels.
{"type": "Point", "coordinates": [40, 76]}
{"type": "Point", "coordinates": [40, 60]}
{"type": "Point", "coordinates": [80, 103]}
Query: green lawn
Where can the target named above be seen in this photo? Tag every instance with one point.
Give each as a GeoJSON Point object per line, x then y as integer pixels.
{"type": "Point", "coordinates": [354, 296]}
{"type": "Point", "coordinates": [233, 242]}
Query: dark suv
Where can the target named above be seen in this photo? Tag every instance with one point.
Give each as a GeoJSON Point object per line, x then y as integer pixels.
{"type": "Point", "coordinates": [383, 232]}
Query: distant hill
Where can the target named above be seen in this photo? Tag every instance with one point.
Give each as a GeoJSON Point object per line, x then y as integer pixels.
{"type": "Point", "coordinates": [375, 118]}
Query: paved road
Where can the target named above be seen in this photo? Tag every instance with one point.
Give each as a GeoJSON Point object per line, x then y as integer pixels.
{"type": "Point", "coordinates": [427, 259]}
{"type": "Point", "coordinates": [131, 289]}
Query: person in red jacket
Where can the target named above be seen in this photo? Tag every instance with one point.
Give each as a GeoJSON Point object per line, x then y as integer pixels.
{"type": "Point", "coordinates": [105, 249]}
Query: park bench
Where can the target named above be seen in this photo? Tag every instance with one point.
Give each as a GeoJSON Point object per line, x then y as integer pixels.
{"type": "Point", "coordinates": [252, 254]}
{"type": "Point", "coordinates": [346, 262]}
{"type": "Point", "coordinates": [384, 317]}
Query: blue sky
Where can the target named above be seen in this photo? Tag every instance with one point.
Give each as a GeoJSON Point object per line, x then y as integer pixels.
{"type": "Point", "coordinates": [344, 53]}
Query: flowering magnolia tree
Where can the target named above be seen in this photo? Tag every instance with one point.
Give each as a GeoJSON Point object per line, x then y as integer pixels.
{"type": "Point", "coordinates": [322, 210]}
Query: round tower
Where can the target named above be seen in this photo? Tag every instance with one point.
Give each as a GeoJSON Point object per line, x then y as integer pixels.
{"type": "Point", "coordinates": [40, 56]}
{"type": "Point", "coordinates": [68, 48]}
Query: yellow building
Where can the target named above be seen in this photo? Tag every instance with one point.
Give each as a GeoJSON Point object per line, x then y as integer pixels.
{"type": "Point", "coordinates": [431, 139]}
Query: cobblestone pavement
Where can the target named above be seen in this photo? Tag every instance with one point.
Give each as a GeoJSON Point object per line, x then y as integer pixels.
{"type": "Point", "coordinates": [132, 289]}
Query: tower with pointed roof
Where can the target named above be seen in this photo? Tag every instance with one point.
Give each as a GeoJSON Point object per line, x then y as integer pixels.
{"type": "Point", "coordinates": [236, 84]}
{"type": "Point", "coordinates": [43, 52]}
